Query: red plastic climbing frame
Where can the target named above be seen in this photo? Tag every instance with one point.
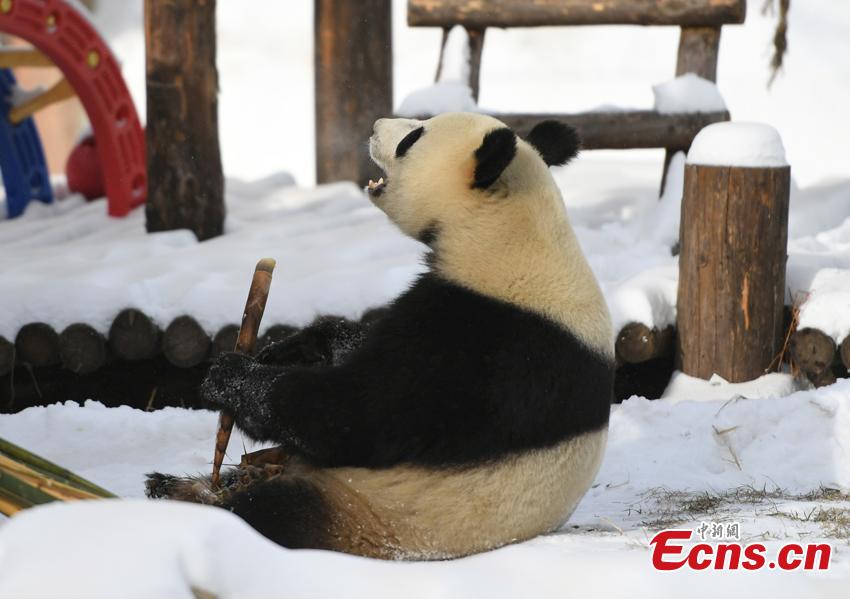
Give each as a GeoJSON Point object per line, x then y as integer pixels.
{"type": "Point", "coordinates": [60, 31]}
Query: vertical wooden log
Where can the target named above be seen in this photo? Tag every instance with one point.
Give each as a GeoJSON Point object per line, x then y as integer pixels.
{"type": "Point", "coordinates": [354, 84]}
{"type": "Point", "coordinates": [732, 270]}
{"type": "Point", "coordinates": [476, 48]}
{"type": "Point", "coordinates": [186, 185]}
{"type": "Point", "coordinates": [698, 51]}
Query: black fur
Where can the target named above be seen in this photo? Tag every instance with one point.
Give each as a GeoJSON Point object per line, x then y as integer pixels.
{"type": "Point", "coordinates": [326, 341]}
{"type": "Point", "coordinates": [429, 234]}
{"type": "Point", "coordinates": [405, 144]}
{"type": "Point", "coordinates": [557, 143]}
{"type": "Point", "coordinates": [493, 156]}
{"type": "Point", "coordinates": [290, 511]}
{"type": "Point", "coordinates": [448, 377]}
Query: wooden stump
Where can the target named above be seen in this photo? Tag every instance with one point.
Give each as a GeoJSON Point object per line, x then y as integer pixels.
{"type": "Point", "coordinates": [354, 84]}
{"type": "Point", "coordinates": [82, 349]}
{"type": "Point", "coordinates": [186, 185]}
{"type": "Point", "coordinates": [133, 336]}
{"type": "Point", "coordinates": [7, 356]}
{"type": "Point", "coordinates": [732, 270]}
{"type": "Point", "coordinates": [185, 343]}
{"type": "Point", "coordinates": [37, 344]}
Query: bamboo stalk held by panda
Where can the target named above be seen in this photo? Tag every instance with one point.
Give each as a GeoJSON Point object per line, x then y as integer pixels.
{"type": "Point", "coordinates": [255, 305]}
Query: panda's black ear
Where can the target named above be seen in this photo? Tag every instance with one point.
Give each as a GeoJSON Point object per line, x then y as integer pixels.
{"type": "Point", "coordinates": [493, 156]}
{"type": "Point", "coordinates": [557, 142]}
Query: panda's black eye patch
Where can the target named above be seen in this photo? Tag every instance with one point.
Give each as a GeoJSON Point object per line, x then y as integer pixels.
{"type": "Point", "coordinates": [405, 144]}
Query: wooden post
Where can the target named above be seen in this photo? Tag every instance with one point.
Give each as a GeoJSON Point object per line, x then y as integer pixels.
{"type": "Point", "coordinates": [732, 270]}
{"type": "Point", "coordinates": [476, 49]}
{"type": "Point", "coordinates": [186, 185]}
{"type": "Point", "coordinates": [354, 84]}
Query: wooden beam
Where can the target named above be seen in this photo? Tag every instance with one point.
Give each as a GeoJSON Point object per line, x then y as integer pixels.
{"type": "Point", "coordinates": [354, 84]}
{"type": "Point", "coordinates": [505, 13]}
{"type": "Point", "coordinates": [622, 130]}
{"type": "Point", "coordinates": [59, 91]}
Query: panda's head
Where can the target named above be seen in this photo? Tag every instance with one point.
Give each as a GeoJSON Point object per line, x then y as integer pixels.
{"type": "Point", "coordinates": [460, 170]}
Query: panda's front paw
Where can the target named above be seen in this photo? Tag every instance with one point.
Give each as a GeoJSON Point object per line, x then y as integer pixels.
{"type": "Point", "coordinates": [227, 382]}
{"type": "Point", "coordinates": [308, 347]}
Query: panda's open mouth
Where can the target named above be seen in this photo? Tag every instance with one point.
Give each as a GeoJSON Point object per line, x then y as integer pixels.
{"type": "Point", "coordinates": [376, 188]}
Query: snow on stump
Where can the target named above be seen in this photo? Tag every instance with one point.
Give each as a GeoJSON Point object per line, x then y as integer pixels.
{"type": "Point", "coordinates": [733, 240]}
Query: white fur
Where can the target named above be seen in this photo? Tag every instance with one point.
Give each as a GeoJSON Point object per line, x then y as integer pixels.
{"type": "Point", "coordinates": [512, 241]}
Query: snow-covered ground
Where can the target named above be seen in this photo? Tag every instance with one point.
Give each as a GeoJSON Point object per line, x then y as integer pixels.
{"type": "Point", "coordinates": [779, 466]}
{"type": "Point", "coordinates": [769, 455]}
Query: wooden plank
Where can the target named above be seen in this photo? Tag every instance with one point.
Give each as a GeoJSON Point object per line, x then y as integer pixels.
{"type": "Point", "coordinates": [354, 84]}
{"type": "Point", "coordinates": [512, 13]}
{"type": "Point", "coordinates": [621, 130]}
{"type": "Point", "coordinates": [732, 270]}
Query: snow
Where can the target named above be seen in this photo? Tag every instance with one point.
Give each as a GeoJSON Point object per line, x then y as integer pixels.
{"type": "Point", "coordinates": [738, 144]}
{"type": "Point", "coordinates": [451, 93]}
{"type": "Point", "coordinates": [265, 61]}
{"type": "Point", "coordinates": [336, 254]}
{"type": "Point", "coordinates": [688, 93]}
{"type": "Point", "coordinates": [756, 449]}
{"type": "Point", "coordinates": [660, 454]}
{"type": "Point", "coordinates": [828, 302]}
{"type": "Point", "coordinates": [443, 96]}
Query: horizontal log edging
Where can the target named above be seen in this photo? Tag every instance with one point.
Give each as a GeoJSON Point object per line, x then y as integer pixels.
{"type": "Point", "coordinates": [540, 13]}
{"type": "Point", "coordinates": [621, 130]}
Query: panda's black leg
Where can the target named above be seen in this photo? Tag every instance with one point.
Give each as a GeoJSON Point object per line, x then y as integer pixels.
{"type": "Point", "coordinates": [289, 511]}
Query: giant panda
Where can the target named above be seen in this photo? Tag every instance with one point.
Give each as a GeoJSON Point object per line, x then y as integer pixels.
{"type": "Point", "coordinates": [473, 413]}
